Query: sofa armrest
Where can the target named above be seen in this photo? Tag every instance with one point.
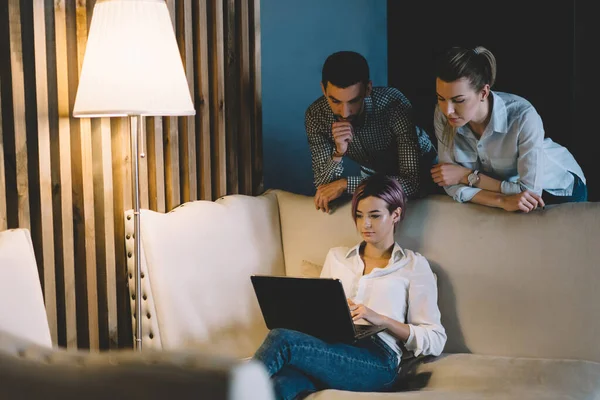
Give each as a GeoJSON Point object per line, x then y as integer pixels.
{"type": "Point", "coordinates": [31, 371]}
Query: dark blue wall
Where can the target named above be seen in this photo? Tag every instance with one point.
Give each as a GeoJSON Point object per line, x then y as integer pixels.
{"type": "Point", "coordinates": [297, 36]}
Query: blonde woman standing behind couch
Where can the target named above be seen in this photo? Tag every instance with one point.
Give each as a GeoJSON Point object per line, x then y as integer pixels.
{"type": "Point", "coordinates": [385, 285]}
{"type": "Point", "coordinates": [491, 145]}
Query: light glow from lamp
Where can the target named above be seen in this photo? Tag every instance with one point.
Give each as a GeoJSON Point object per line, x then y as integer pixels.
{"type": "Point", "coordinates": [132, 65]}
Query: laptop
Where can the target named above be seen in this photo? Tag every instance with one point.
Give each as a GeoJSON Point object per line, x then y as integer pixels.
{"type": "Point", "coordinates": [315, 306]}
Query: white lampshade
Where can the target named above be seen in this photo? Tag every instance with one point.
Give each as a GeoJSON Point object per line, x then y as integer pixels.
{"type": "Point", "coordinates": [132, 65]}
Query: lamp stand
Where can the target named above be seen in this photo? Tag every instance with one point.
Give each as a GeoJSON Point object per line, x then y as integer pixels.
{"type": "Point", "coordinates": [135, 126]}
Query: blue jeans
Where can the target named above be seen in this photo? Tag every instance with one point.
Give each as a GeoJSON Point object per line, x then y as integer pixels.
{"type": "Point", "coordinates": [300, 364]}
{"type": "Point", "coordinates": [579, 194]}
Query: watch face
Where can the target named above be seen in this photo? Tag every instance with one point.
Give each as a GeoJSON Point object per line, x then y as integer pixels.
{"type": "Point", "coordinates": [472, 178]}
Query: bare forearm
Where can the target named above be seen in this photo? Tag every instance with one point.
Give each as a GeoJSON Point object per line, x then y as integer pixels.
{"type": "Point", "coordinates": [485, 183]}
{"type": "Point", "coordinates": [396, 328]}
{"type": "Point", "coordinates": [489, 198]}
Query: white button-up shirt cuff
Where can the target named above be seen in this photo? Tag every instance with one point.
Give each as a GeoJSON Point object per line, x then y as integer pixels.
{"type": "Point", "coordinates": [463, 193]}
{"type": "Point", "coordinates": [411, 342]}
{"type": "Point", "coordinates": [509, 188]}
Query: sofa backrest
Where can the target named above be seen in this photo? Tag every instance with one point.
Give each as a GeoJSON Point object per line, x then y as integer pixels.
{"type": "Point", "coordinates": [196, 262]}
{"type": "Point", "coordinates": [510, 284]}
{"type": "Point", "coordinates": [22, 310]}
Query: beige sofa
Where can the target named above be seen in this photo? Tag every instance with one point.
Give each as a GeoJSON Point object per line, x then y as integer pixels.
{"type": "Point", "coordinates": [518, 293]}
{"type": "Point", "coordinates": [30, 368]}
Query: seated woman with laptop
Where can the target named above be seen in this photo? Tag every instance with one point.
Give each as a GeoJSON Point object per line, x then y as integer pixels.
{"type": "Point", "coordinates": [385, 285]}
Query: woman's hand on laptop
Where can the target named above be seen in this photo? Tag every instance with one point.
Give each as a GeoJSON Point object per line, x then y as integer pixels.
{"type": "Point", "coordinates": [360, 311]}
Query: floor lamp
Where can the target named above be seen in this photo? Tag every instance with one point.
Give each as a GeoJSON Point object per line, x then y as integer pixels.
{"type": "Point", "coordinates": [132, 68]}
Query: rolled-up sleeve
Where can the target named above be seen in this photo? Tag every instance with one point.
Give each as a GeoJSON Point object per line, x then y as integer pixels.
{"type": "Point", "coordinates": [460, 193]}
{"type": "Point", "coordinates": [530, 155]}
{"type": "Point", "coordinates": [427, 335]}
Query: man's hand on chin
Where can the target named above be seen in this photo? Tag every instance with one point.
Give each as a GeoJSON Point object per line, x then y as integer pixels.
{"type": "Point", "coordinates": [328, 192]}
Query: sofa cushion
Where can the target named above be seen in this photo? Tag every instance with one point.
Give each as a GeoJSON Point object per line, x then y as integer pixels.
{"type": "Point", "coordinates": [308, 234]}
{"type": "Point", "coordinates": [310, 269]}
{"type": "Point", "coordinates": [510, 284]}
{"type": "Point", "coordinates": [22, 310]}
{"type": "Point", "coordinates": [199, 259]}
{"type": "Point", "coordinates": [468, 376]}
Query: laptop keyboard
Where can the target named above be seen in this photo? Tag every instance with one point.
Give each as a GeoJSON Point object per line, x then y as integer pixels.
{"type": "Point", "coordinates": [363, 330]}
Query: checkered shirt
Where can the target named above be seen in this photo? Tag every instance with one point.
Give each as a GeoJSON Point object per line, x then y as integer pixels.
{"type": "Point", "coordinates": [384, 141]}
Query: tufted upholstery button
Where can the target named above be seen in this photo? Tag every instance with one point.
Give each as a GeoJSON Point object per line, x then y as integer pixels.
{"type": "Point", "coordinates": [148, 315]}
{"type": "Point", "coordinates": [144, 297]}
{"type": "Point", "coordinates": [129, 254]}
{"type": "Point", "coordinates": [133, 296]}
{"type": "Point", "coordinates": [142, 275]}
{"type": "Point", "coordinates": [151, 335]}
{"type": "Point", "coordinates": [130, 276]}
{"type": "Point", "coordinates": [128, 236]}
{"type": "Point", "coordinates": [128, 217]}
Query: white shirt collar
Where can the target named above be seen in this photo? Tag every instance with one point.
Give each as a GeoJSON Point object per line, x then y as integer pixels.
{"type": "Point", "coordinates": [397, 252]}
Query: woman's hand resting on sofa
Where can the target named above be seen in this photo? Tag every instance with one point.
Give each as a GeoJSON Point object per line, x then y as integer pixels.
{"type": "Point", "coordinates": [525, 201]}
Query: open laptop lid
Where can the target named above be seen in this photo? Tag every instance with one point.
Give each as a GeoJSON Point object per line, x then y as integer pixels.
{"type": "Point", "coordinates": [316, 306]}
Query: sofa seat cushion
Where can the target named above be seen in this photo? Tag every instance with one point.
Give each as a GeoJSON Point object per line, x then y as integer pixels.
{"type": "Point", "coordinates": [469, 376]}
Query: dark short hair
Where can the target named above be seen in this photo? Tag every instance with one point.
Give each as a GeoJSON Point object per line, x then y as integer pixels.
{"type": "Point", "coordinates": [345, 68]}
{"type": "Point", "coordinates": [383, 187]}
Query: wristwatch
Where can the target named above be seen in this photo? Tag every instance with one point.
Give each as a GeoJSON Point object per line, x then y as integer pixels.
{"type": "Point", "coordinates": [473, 178]}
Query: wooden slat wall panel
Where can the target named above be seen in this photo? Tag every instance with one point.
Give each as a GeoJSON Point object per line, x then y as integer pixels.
{"type": "Point", "coordinates": [187, 144]}
{"type": "Point", "coordinates": [171, 140]}
{"type": "Point", "coordinates": [202, 98]}
{"type": "Point", "coordinates": [43, 122]}
{"type": "Point", "coordinates": [19, 120]}
{"type": "Point", "coordinates": [218, 132]}
{"type": "Point", "coordinates": [66, 186]}
{"type": "Point", "coordinates": [69, 180]}
{"type": "Point", "coordinates": [245, 121]}
{"type": "Point", "coordinates": [3, 221]}
{"type": "Point", "coordinates": [232, 105]}
{"type": "Point", "coordinates": [255, 78]}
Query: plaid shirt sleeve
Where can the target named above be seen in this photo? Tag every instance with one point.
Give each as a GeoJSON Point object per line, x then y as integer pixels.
{"type": "Point", "coordinates": [405, 134]}
{"type": "Point", "coordinates": [325, 169]}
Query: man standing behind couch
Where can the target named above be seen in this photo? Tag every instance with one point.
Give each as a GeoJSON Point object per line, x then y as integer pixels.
{"type": "Point", "coordinates": [372, 126]}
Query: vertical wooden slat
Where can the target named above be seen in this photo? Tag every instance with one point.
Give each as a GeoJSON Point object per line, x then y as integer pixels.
{"type": "Point", "coordinates": [218, 102]}
{"type": "Point", "coordinates": [105, 237]}
{"type": "Point", "coordinates": [156, 164]}
{"type": "Point", "coordinates": [143, 164]}
{"type": "Point", "coordinates": [257, 165]}
{"type": "Point", "coordinates": [122, 200]}
{"type": "Point", "coordinates": [171, 138]}
{"type": "Point", "coordinates": [188, 127]}
{"type": "Point", "coordinates": [43, 123]}
{"type": "Point", "coordinates": [19, 118]}
{"type": "Point", "coordinates": [202, 100]}
{"type": "Point", "coordinates": [109, 232]}
{"type": "Point", "coordinates": [64, 129]}
{"type": "Point", "coordinates": [89, 223]}
{"type": "Point", "coordinates": [3, 222]}
{"type": "Point", "coordinates": [245, 126]}
{"type": "Point", "coordinates": [232, 111]}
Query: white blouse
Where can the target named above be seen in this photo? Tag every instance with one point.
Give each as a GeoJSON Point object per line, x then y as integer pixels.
{"type": "Point", "coordinates": [404, 290]}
